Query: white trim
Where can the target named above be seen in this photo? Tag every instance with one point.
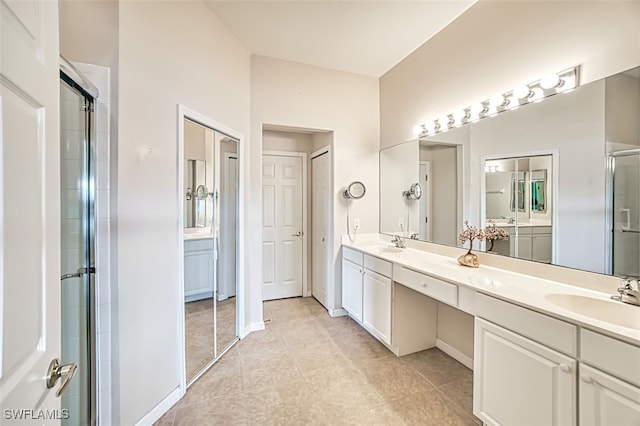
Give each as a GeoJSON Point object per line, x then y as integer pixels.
{"type": "Point", "coordinates": [152, 416]}
{"type": "Point", "coordinates": [337, 312]}
{"type": "Point", "coordinates": [454, 353]}
{"type": "Point", "coordinates": [329, 272]}
{"type": "Point", "coordinates": [555, 173]}
{"type": "Point", "coordinates": [306, 290]}
{"type": "Point", "coordinates": [182, 112]}
{"type": "Point", "coordinates": [256, 326]}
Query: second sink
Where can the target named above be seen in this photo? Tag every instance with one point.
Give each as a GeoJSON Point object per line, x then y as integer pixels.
{"type": "Point", "coordinates": [600, 309]}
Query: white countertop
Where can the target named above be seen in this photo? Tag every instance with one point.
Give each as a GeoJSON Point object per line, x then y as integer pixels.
{"type": "Point", "coordinates": [197, 233]}
{"type": "Point", "coordinates": [523, 290]}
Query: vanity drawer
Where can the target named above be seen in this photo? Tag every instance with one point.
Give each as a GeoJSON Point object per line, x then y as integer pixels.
{"type": "Point", "coordinates": [613, 356]}
{"type": "Point", "coordinates": [541, 328]}
{"type": "Point", "coordinates": [537, 230]}
{"type": "Point", "coordinates": [380, 266]}
{"type": "Point", "coordinates": [432, 287]}
{"type": "Point", "coordinates": [353, 255]}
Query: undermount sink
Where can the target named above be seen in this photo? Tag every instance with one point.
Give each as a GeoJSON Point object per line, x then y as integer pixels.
{"type": "Point", "coordinates": [605, 310]}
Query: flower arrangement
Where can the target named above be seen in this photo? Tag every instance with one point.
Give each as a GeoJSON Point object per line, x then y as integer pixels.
{"type": "Point", "coordinates": [470, 233]}
{"type": "Point", "coordinates": [493, 233]}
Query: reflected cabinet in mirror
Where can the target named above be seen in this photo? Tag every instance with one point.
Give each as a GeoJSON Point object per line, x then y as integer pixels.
{"type": "Point", "coordinates": [561, 176]}
{"type": "Point", "coordinates": [210, 196]}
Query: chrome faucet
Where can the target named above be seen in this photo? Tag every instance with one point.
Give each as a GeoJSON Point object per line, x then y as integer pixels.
{"type": "Point", "coordinates": [414, 236]}
{"type": "Point", "coordinates": [398, 241]}
{"type": "Point", "coordinates": [627, 294]}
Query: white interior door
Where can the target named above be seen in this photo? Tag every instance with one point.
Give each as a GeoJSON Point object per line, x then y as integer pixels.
{"type": "Point", "coordinates": [29, 210]}
{"type": "Point", "coordinates": [320, 217]}
{"type": "Point", "coordinates": [282, 240]}
{"type": "Point", "coordinates": [425, 201]}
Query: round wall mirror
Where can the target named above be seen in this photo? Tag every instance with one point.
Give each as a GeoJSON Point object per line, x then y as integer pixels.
{"type": "Point", "coordinates": [414, 192]}
{"type": "Point", "coordinates": [355, 190]}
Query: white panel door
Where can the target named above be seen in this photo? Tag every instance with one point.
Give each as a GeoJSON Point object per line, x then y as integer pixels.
{"type": "Point", "coordinates": [605, 400]}
{"type": "Point", "coordinates": [320, 218]}
{"type": "Point", "coordinates": [29, 210]}
{"type": "Point", "coordinates": [520, 382]}
{"type": "Point", "coordinates": [376, 305]}
{"type": "Point", "coordinates": [281, 227]}
{"type": "Point", "coordinates": [425, 201]}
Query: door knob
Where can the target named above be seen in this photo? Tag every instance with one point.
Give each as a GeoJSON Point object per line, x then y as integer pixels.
{"type": "Point", "coordinates": [56, 371]}
{"type": "Point", "coordinates": [297, 234]}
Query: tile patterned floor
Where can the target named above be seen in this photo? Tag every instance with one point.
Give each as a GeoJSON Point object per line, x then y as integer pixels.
{"type": "Point", "coordinates": [307, 368]}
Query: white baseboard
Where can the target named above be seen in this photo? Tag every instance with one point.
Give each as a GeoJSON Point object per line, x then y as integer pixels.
{"type": "Point", "coordinates": [164, 406]}
{"type": "Point", "coordinates": [256, 326]}
{"type": "Point", "coordinates": [337, 312]}
{"type": "Point", "coordinates": [454, 353]}
{"type": "Point", "coordinates": [307, 294]}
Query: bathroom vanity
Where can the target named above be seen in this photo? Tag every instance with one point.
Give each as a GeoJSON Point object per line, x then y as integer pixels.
{"type": "Point", "coordinates": [198, 265]}
{"type": "Point", "coordinates": [544, 352]}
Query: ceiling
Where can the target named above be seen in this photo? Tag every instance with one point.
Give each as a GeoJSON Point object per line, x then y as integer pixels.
{"type": "Point", "coordinates": [363, 37]}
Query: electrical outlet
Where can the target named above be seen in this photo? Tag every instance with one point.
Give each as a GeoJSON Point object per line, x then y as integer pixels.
{"type": "Point", "coordinates": [401, 222]}
{"type": "Point", "coordinates": [356, 224]}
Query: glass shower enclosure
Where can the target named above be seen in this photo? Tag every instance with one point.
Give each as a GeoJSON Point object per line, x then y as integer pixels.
{"type": "Point", "coordinates": [624, 170]}
{"type": "Point", "coordinates": [77, 227]}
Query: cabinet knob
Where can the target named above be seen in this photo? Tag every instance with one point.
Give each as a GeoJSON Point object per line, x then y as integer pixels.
{"type": "Point", "coordinates": [586, 378]}
{"type": "Point", "coordinates": [424, 285]}
{"type": "Point", "coordinates": [565, 368]}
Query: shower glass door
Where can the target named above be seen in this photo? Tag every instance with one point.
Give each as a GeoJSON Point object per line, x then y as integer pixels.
{"type": "Point", "coordinates": [626, 214]}
{"type": "Point", "coordinates": [77, 252]}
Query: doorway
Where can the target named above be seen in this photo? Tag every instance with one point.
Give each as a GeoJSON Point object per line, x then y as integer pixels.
{"type": "Point", "coordinates": [209, 182]}
{"type": "Point", "coordinates": [283, 224]}
{"type": "Point", "coordinates": [320, 224]}
{"type": "Point", "coordinates": [78, 249]}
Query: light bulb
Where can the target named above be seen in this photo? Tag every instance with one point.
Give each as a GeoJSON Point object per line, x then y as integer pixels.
{"type": "Point", "coordinates": [497, 101]}
{"type": "Point", "coordinates": [550, 81]}
{"type": "Point", "coordinates": [430, 125]}
{"type": "Point", "coordinates": [417, 130]}
{"type": "Point", "coordinates": [512, 102]}
{"type": "Point", "coordinates": [444, 121]}
{"type": "Point", "coordinates": [521, 92]}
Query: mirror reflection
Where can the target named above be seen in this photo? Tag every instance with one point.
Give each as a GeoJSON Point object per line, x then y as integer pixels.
{"type": "Point", "coordinates": [210, 194]}
{"type": "Point", "coordinates": [515, 194]}
{"type": "Point", "coordinates": [542, 168]}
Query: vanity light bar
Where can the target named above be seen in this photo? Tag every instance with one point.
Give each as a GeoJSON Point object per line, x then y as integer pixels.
{"type": "Point", "coordinates": [550, 85]}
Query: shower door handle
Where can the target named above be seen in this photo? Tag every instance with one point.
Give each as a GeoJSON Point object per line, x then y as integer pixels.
{"type": "Point", "coordinates": [81, 272]}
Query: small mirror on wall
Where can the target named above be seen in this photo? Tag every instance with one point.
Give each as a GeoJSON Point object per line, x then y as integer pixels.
{"type": "Point", "coordinates": [355, 190]}
{"type": "Point", "coordinates": [414, 192]}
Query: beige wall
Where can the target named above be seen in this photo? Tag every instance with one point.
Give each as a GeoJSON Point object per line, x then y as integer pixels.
{"type": "Point", "coordinates": [169, 53]}
{"type": "Point", "coordinates": [496, 45]}
{"type": "Point", "coordinates": [302, 96]}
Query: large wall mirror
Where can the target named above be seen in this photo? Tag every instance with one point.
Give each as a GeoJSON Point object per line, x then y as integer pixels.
{"type": "Point", "coordinates": [561, 176]}
{"type": "Point", "coordinates": [210, 206]}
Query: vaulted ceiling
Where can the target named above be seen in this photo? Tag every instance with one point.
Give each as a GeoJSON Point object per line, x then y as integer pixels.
{"type": "Point", "coordinates": [363, 37]}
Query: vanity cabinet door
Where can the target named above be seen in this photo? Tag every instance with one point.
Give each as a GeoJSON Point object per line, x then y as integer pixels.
{"type": "Point", "coordinates": [198, 275]}
{"type": "Point", "coordinates": [352, 277]}
{"type": "Point", "coordinates": [520, 382]}
{"type": "Point", "coordinates": [605, 400]}
{"type": "Point", "coordinates": [377, 305]}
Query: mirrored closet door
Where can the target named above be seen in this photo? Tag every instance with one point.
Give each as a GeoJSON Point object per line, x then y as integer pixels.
{"type": "Point", "coordinates": [210, 209]}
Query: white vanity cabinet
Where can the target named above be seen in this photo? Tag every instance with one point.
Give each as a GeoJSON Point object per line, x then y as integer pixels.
{"type": "Point", "coordinates": [367, 292]}
{"type": "Point", "coordinates": [376, 298]}
{"type": "Point", "coordinates": [520, 376]}
{"type": "Point", "coordinates": [352, 278]}
{"type": "Point", "coordinates": [609, 381]}
{"type": "Point", "coordinates": [198, 269]}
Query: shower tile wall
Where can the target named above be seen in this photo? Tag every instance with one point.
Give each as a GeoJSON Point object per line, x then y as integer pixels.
{"type": "Point", "coordinates": [99, 76]}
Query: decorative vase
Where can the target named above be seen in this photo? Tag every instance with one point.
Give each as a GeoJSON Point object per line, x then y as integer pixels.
{"type": "Point", "coordinates": [469, 259]}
